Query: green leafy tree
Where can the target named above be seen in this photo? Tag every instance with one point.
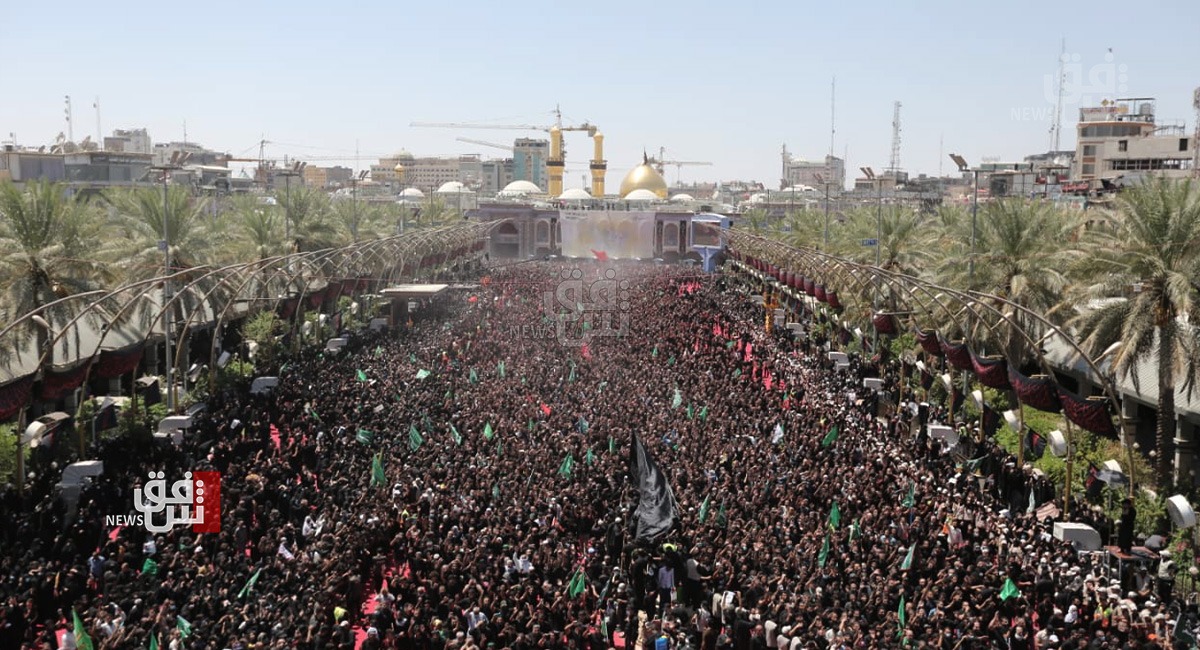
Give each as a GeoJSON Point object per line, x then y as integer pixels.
{"type": "Point", "coordinates": [50, 250]}
{"type": "Point", "coordinates": [1150, 273]}
{"type": "Point", "coordinates": [307, 213]}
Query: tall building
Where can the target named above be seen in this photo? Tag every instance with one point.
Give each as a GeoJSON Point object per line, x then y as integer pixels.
{"type": "Point", "coordinates": [129, 141]}
{"type": "Point", "coordinates": [1121, 138]}
{"type": "Point", "coordinates": [529, 160]}
{"type": "Point", "coordinates": [495, 175]}
{"type": "Point", "coordinates": [831, 171]}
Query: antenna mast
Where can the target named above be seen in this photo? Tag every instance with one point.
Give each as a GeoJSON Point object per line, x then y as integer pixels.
{"type": "Point", "coordinates": [70, 122]}
{"type": "Point", "coordinates": [1196, 137]}
{"type": "Point", "coordinates": [1058, 105]}
{"type": "Point", "coordinates": [832, 113]}
{"type": "Point", "coordinates": [99, 131]}
{"type": "Point", "coordinates": [894, 166]}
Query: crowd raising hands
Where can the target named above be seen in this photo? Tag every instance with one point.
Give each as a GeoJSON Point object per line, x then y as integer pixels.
{"type": "Point", "coordinates": [461, 482]}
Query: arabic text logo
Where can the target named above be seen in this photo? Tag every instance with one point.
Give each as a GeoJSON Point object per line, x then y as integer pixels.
{"type": "Point", "coordinates": [582, 309]}
{"type": "Point", "coordinates": [194, 500]}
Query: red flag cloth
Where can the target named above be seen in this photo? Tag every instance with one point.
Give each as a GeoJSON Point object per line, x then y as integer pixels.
{"type": "Point", "coordinates": [600, 255]}
{"type": "Point", "coordinates": [787, 402]}
{"type": "Point", "coordinates": [767, 379]}
{"type": "Point", "coordinates": [275, 437]}
{"type": "Point", "coordinates": [749, 351]}
{"type": "Point", "coordinates": [112, 534]}
{"type": "Point", "coordinates": [546, 408]}
{"type": "Point", "coordinates": [473, 299]}
{"type": "Point", "coordinates": [585, 352]}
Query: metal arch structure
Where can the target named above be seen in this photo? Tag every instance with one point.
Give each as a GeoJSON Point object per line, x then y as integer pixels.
{"type": "Point", "coordinates": [982, 306]}
{"type": "Point", "coordinates": [212, 292]}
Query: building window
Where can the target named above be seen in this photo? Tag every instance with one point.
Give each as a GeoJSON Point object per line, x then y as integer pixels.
{"type": "Point", "coordinates": [1122, 145]}
{"type": "Point", "coordinates": [1183, 144]}
{"type": "Point", "coordinates": [1089, 169]}
{"type": "Point", "coordinates": [1089, 149]}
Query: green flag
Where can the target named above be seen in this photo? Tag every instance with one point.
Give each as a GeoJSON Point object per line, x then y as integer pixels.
{"type": "Point", "coordinates": [364, 436]}
{"type": "Point", "coordinates": [495, 491]}
{"type": "Point", "coordinates": [378, 351]}
{"type": "Point", "coordinates": [704, 414]}
{"type": "Point", "coordinates": [728, 344]}
{"type": "Point", "coordinates": [487, 431]}
{"type": "Point", "coordinates": [677, 400]}
{"type": "Point", "coordinates": [722, 521]}
{"type": "Point", "coordinates": [910, 499]}
{"type": "Point", "coordinates": [671, 361]}
{"type": "Point", "coordinates": [500, 369]}
{"type": "Point", "coordinates": [456, 435]}
{"type": "Point", "coordinates": [577, 585]}
{"type": "Point", "coordinates": [589, 457]}
{"type": "Point", "coordinates": [908, 559]}
{"type": "Point", "coordinates": [150, 567]}
{"type": "Point", "coordinates": [532, 425]}
{"type": "Point", "coordinates": [82, 640]}
{"type": "Point", "coordinates": [362, 376]}
{"type": "Point", "coordinates": [412, 358]}
{"type": "Point", "coordinates": [654, 353]}
{"type": "Point", "coordinates": [414, 438]}
{"type": "Point", "coordinates": [313, 413]}
{"type": "Point", "coordinates": [185, 628]}
{"type": "Point", "coordinates": [254, 578]}
{"type": "Point", "coordinates": [704, 509]}
{"type": "Point", "coordinates": [855, 530]}
{"type": "Point", "coordinates": [564, 469]}
{"type": "Point", "coordinates": [499, 447]}
{"type": "Point", "coordinates": [737, 372]}
{"type": "Point", "coordinates": [830, 437]}
{"type": "Point", "coordinates": [612, 445]}
{"type": "Point", "coordinates": [583, 424]}
{"type": "Point", "coordinates": [378, 479]}
{"type": "Point", "coordinates": [690, 412]}
{"type": "Point", "coordinates": [421, 374]}
{"type": "Point", "coordinates": [823, 555]}
{"type": "Point", "coordinates": [571, 377]}
{"type": "Point", "coordinates": [474, 376]}
{"type": "Point", "coordinates": [835, 516]}
{"type": "Point", "coordinates": [1009, 590]}
{"type": "Point", "coordinates": [153, 642]}
{"type": "Point", "coordinates": [902, 616]}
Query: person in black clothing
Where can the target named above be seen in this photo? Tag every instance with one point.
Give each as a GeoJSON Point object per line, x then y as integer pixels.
{"type": "Point", "coordinates": [1125, 527]}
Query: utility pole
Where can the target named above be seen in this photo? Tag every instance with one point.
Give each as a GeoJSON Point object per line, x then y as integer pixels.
{"type": "Point", "coordinates": [70, 122]}
{"type": "Point", "coordinates": [176, 162]}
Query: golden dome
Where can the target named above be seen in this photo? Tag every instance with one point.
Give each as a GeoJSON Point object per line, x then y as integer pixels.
{"type": "Point", "coordinates": [644, 177]}
{"type": "Point", "coordinates": [399, 169]}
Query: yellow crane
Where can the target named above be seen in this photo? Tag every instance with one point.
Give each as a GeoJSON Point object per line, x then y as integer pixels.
{"type": "Point", "coordinates": [556, 162]}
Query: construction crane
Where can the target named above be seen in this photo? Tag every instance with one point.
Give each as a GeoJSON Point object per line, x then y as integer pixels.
{"type": "Point", "coordinates": [679, 164]}
{"type": "Point", "coordinates": [485, 143]}
{"type": "Point", "coordinates": [556, 162]}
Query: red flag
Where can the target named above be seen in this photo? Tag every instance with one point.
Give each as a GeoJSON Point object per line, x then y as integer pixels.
{"type": "Point", "coordinates": [787, 402]}
{"type": "Point", "coordinates": [275, 437]}
{"type": "Point", "coordinates": [600, 255]}
{"type": "Point", "coordinates": [749, 351]}
{"type": "Point", "coordinates": [767, 379]}
{"type": "Point", "coordinates": [546, 408]}
{"type": "Point", "coordinates": [585, 352]}
{"type": "Point", "coordinates": [473, 299]}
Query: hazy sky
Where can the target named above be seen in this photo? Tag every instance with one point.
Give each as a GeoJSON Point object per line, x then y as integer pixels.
{"type": "Point", "coordinates": [722, 82]}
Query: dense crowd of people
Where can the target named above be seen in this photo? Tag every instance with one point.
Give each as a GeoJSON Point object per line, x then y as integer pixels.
{"type": "Point", "coordinates": [502, 420]}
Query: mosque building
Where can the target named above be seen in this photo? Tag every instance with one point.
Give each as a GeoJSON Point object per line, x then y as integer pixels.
{"type": "Point", "coordinates": [641, 222]}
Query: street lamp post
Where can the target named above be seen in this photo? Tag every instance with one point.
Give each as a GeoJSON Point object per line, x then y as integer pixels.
{"type": "Point", "coordinates": [964, 167]}
{"type": "Point", "coordinates": [176, 162]}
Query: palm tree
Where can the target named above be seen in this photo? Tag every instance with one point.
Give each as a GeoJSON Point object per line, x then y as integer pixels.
{"type": "Point", "coordinates": [1024, 253]}
{"type": "Point", "coordinates": [307, 213]}
{"type": "Point", "coordinates": [257, 230]}
{"type": "Point", "coordinates": [904, 236]}
{"type": "Point", "coordinates": [1152, 266]}
{"type": "Point", "coordinates": [50, 252]}
{"type": "Point", "coordinates": [192, 236]}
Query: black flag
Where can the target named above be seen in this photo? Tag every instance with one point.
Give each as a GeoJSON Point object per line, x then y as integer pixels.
{"type": "Point", "coordinates": [657, 510]}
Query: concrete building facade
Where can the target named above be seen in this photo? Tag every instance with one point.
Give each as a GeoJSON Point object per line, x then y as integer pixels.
{"type": "Point", "coordinates": [1122, 139]}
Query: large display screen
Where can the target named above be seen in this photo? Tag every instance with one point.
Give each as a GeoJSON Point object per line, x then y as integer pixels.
{"type": "Point", "coordinates": [609, 234]}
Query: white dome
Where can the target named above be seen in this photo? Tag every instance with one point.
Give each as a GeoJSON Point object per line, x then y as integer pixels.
{"type": "Point", "coordinates": [521, 187]}
{"type": "Point", "coordinates": [575, 194]}
{"type": "Point", "coordinates": [798, 189]}
{"type": "Point", "coordinates": [453, 187]}
{"type": "Point", "coordinates": [641, 195]}
{"type": "Point", "coordinates": [412, 193]}
{"type": "Point", "coordinates": [682, 198]}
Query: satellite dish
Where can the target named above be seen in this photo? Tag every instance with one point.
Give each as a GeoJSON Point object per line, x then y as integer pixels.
{"type": "Point", "coordinates": [1181, 511]}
